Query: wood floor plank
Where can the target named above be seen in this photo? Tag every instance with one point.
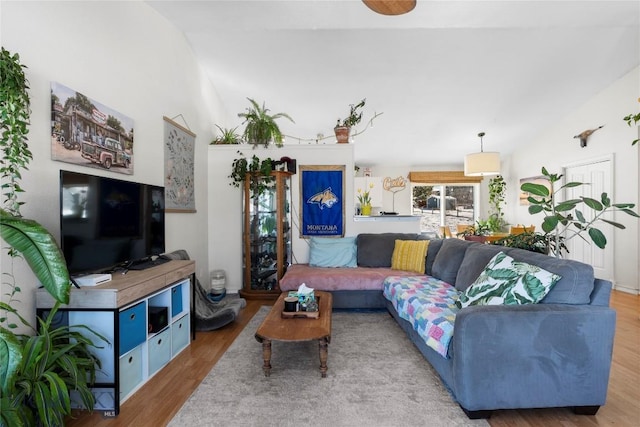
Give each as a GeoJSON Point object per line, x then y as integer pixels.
{"type": "Point", "coordinates": [159, 400]}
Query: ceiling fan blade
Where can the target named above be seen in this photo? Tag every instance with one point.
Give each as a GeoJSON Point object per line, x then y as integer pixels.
{"type": "Point", "coordinates": [390, 7]}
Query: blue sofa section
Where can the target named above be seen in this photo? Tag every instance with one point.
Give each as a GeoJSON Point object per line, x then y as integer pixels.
{"type": "Point", "coordinates": [556, 353]}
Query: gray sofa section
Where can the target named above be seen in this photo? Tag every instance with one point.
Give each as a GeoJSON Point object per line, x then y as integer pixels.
{"type": "Point", "coordinates": [553, 354]}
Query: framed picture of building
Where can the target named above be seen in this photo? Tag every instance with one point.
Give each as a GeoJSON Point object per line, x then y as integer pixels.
{"type": "Point", "coordinates": [322, 208]}
{"type": "Point", "coordinates": [88, 133]}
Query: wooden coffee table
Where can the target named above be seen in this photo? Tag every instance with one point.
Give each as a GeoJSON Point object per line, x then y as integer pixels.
{"type": "Point", "coordinates": [276, 328]}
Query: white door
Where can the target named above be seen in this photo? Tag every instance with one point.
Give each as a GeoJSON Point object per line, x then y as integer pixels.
{"type": "Point", "coordinates": [598, 175]}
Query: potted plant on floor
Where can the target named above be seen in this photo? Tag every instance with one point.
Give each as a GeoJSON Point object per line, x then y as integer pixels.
{"type": "Point", "coordinates": [343, 127]}
{"type": "Point", "coordinates": [261, 127]}
{"type": "Point", "coordinates": [37, 371]}
{"type": "Point", "coordinates": [565, 219]}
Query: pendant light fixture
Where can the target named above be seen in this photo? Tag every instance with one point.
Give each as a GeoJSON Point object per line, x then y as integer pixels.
{"type": "Point", "coordinates": [390, 7]}
{"type": "Point", "coordinates": [482, 163]}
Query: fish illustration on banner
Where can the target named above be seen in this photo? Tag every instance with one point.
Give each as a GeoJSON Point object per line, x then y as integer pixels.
{"type": "Point", "coordinates": [322, 205]}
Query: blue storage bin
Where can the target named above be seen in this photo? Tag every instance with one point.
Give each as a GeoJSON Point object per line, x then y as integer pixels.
{"type": "Point", "coordinates": [133, 327]}
{"type": "Point", "coordinates": [176, 300]}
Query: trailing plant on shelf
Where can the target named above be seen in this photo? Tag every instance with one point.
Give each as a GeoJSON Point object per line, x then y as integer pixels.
{"type": "Point", "coordinates": [497, 191]}
{"type": "Point", "coordinates": [241, 167]}
{"type": "Point", "coordinates": [565, 219]}
{"type": "Point", "coordinates": [227, 136]}
{"type": "Point", "coordinates": [261, 127]}
{"type": "Point", "coordinates": [37, 371]}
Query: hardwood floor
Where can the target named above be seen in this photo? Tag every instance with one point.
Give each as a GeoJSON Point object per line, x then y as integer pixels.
{"type": "Point", "coordinates": [156, 402]}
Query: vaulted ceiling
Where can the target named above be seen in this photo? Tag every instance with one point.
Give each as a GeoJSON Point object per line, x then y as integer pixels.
{"type": "Point", "coordinates": [440, 74]}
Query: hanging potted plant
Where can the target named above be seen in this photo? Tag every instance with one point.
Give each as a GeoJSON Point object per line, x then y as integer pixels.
{"type": "Point", "coordinates": [37, 371]}
{"type": "Point", "coordinates": [261, 126]}
{"type": "Point", "coordinates": [497, 191]}
{"type": "Point", "coordinates": [343, 127]}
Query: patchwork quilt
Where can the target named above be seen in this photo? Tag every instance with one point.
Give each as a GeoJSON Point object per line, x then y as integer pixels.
{"type": "Point", "coordinates": [429, 304]}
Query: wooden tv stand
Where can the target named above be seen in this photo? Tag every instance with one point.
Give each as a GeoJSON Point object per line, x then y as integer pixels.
{"type": "Point", "coordinates": [146, 315]}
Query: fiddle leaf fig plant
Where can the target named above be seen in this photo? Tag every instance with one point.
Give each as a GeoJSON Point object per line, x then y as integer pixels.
{"type": "Point", "coordinates": [633, 120]}
{"type": "Point", "coordinates": [567, 218]}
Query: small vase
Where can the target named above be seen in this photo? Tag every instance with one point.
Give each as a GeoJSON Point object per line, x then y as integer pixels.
{"type": "Point", "coordinates": [365, 210]}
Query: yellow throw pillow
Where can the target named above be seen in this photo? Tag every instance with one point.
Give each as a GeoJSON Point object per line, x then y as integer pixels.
{"type": "Point", "coordinates": [410, 255]}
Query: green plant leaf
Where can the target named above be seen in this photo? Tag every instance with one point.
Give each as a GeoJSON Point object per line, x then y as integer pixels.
{"type": "Point", "coordinates": [572, 184]}
{"type": "Point", "coordinates": [549, 223]}
{"type": "Point", "coordinates": [580, 216]}
{"type": "Point", "coordinates": [534, 209]}
{"type": "Point", "coordinates": [41, 252]}
{"type": "Point", "coordinates": [630, 212]}
{"type": "Point", "coordinates": [615, 224]}
{"type": "Point", "coordinates": [593, 203]}
{"type": "Point", "coordinates": [567, 205]}
{"type": "Point", "coordinates": [10, 357]}
{"type": "Point", "coordinates": [598, 237]}
{"type": "Point", "coordinates": [535, 189]}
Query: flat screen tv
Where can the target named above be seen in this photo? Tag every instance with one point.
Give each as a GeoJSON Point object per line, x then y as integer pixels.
{"type": "Point", "coordinates": [106, 223]}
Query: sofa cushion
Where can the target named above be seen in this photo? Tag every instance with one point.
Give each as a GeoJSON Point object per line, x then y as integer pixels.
{"type": "Point", "coordinates": [376, 249]}
{"type": "Point", "coordinates": [434, 247]}
{"type": "Point", "coordinates": [337, 279]}
{"type": "Point", "coordinates": [509, 282]}
{"type": "Point", "coordinates": [577, 281]}
{"type": "Point", "coordinates": [448, 260]}
{"type": "Point", "coordinates": [410, 255]}
{"type": "Point", "coordinates": [475, 260]}
{"type": "Point", "coordinates": [333, 252]}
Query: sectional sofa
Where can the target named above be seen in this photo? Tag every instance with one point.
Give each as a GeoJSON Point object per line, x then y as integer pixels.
{"type": "Point", "coordinates": [553, 353]}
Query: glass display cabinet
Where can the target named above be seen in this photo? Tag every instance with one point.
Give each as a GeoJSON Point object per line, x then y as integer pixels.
{"type": "Point", "coordinates": [266, 233]}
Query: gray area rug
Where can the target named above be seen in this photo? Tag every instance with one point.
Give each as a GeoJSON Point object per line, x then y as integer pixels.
{"type": "Point", "coordinates": [376, 377]}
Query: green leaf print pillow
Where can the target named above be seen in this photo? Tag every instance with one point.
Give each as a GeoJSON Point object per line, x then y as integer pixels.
{"type": "Point", "coordinates": [507, 281]}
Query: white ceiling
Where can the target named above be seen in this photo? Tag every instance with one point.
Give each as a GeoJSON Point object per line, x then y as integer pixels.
{"type": "Point", "coordinates": [439, 74]}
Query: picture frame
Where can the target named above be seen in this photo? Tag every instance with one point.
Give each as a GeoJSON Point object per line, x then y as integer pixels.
{"type": "Point", "coordinates": [539, 179]}
{"type": "Point", "coordinates": [322, 201]}
{"type": "Point", "coordinates": [179, 181]}
{"type": "Point", "coordinates": [86, 132]}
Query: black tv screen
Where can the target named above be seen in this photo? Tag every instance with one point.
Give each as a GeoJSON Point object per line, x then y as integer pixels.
{"type": "Point", "coordinates": [107, 222]}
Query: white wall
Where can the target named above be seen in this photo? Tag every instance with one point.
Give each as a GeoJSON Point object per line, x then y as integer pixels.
{"type": "Point", "coordinates": [225, 203]}
{"type": "Point", "coordinates": [128, 57]}
{"type": "Point", "coordinates": [555, 148]}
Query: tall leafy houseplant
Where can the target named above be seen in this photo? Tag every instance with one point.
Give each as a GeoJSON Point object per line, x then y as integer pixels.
{"type": "Point", "coordinates": [565, 219]}
{"type": "Point", "coordinates": [37, 371]}
{"type": "Point", "coordinates": [633, 120]}
{"type": "Point", "coordinates": [497, 191]}
{"type": "Point", "coordinates": [261, 127]}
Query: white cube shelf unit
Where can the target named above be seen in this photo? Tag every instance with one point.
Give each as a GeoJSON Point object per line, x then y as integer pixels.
{"type": "Point", "coordinates": [147, 317]}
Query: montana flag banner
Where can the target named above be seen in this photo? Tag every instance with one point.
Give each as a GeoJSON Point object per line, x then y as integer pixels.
{"type": "Point", "coordinates": [322, 201]}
